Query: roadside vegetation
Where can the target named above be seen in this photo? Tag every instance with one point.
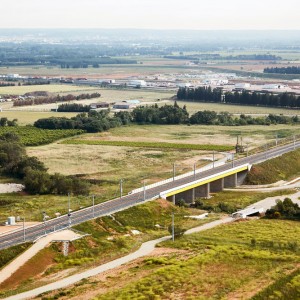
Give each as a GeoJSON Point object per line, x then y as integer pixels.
{"type": "Point", "coordinates": [231, 201]}
{"type": "Point", "coordinates": [260, 252]}
{"type": "Point", "coordinates": [6, 255]}
{"type": "Point", "coordinates": [109, 237]}
{"type": "Point", "coordinates": [280, 168]}
{"type": "Point", "coordinates": [284, 209]}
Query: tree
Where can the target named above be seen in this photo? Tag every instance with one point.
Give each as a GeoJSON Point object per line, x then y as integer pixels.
{"type": "Point", "coordinates": [37, 182]}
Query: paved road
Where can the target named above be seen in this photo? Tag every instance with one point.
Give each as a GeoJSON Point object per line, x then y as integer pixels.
{"type": "Point", "coordinates": [144, 250]}
{"type": "Point", "coordinates": [115, 205]}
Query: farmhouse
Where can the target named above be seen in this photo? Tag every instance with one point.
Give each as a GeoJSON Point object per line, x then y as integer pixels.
{"type": "Point", "coordinates": [99, 105]}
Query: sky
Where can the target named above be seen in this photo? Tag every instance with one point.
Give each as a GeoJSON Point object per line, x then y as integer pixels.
{"type": "Point", "coordinates": [151, 14]}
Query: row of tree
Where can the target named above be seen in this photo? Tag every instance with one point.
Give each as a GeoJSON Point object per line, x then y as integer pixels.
{"type": "Point", "coordinates": [14, 162]}
{"type": "Point", "coordinates": [283, 70]}
{"type": "Point", "coordinates": [73, 107]}
{"type": "Point", "coordinates": [93, 121]}
{"type": "Point", "coordinates": [207, 94]}
{"type": "Point", "coordinates": [58, 98]}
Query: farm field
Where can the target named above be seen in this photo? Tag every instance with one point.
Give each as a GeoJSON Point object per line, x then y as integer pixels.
{"type": "Point", "coordinates": [29, 117]}
{"type": "Point", "coordinates": [241, 259]}
{"type": "Point", "coordinates": [32, 136]}
{"type": "Point", "coordinates": [107, 164]}
{"type": "Point", "coordinates": [145, 96]}
{"type": "Point", "coordinates": [195, 134]}
{"type": "Point", "coordinates": [51, 88]}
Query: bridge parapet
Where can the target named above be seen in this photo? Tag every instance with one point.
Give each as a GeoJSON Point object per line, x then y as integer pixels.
{"type": "Point", "coordinates": [202, 187]}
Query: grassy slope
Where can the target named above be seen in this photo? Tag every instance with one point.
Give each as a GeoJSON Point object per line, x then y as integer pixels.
{"type": "Point", "coordinates": [280, 168]}
{"type": "Point", "coordinates": [222, 252]}
{"type": "Point", "coordinates": [109, 238]}
{"type": "Point", "coordinates": [231, 201]}
{"type": "Point", "coordinates": [6, 255]}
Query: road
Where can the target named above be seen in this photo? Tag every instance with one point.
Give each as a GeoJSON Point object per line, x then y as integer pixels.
{"type": "Point", "coordinates": [111, 206]}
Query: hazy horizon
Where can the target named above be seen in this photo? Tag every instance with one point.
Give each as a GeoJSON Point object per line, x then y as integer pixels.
{"type": "Point", "coordinates": [152, 14]}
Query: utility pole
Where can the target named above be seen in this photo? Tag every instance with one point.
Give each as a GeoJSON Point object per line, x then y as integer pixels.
{"type": "Point", "coordinates": [69, 204]}
{"type": "Point", "coordinates": [266, 149]}
{"type": "Point", "coordinates": [121, 188]}
{"type": "Point", "coordinates": [247, 150]}
{"type": "Point", "coordinates": [93, 206]}
{"type": "Point", "coordinates": [69, 219]}
{"type": "Point", "coordinates": [173, 229]}
{"type": "Point", "coordinates": [294, 142]}
{"type": "Point", "coordinates": [276, 143]}
{"type": "Point", "coordinates": [24, 236]}
{"type": "Point", "coordinates": [174, 171]}
{"type": "Point", "coordinates": [44, 220]}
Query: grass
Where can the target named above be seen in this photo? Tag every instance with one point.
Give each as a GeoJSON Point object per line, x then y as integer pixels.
{"type": "Point", "coordinates": [106, 165]}
{"type": "Point", "coordinates": [51, 88]}
{"type": "Point", "coordinates": [285, 288]}
{"type": "Point", "coordinates": [29, 117]}
{"type": "Point", "coordinates": [110, 237]}
{"type": "Point", "coordinates": [32, 206]}
{"type": "Point", "coordinates": [280, 168]}
{"type": "Point", "coordinates": [151, 145]}
{"type": "Point", "coordinates": [231, 201]}
{"type": "Point", "coordinates": [219, 253]}
{"type": "Point", "coordinates": [6, 255]}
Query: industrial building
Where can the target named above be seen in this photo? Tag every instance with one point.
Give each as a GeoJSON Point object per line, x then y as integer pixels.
{"type": "Point", "coordinates": [137, 83]}
{"type": "Point", "coordinates": [99, 105]}
{"type": "Point", "coordinates": [123, 105]}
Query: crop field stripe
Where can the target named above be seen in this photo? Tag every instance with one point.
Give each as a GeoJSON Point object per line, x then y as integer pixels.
{"type": "Point", "coordinates": [151, 145]}
{"type": "Point", "coordinates": [32, 136]}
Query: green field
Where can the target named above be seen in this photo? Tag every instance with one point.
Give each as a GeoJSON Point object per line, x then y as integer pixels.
{"type": "Point", "coordinates": [212, 259]}
{"type": "Point", "coordinates": [150, 145]}
{"type": "Point", "coordinates": [233, 261]}
{"type": "Point", "coordinates": [32, 136]}
{"type": "Point", "coordinates": [51, 88]}
{"type": "Point", "coordinates": [29, 117]}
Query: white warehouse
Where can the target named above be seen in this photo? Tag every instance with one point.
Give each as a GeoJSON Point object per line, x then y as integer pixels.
{"type": "Point", "coordinates": [137, 83]}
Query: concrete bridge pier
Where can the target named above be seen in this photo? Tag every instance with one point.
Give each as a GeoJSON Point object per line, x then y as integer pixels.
{"type": "Point", "coordinates": [231, 181]}
{"type": "Point", "coordinates": [202, 191]}
{"type": "Point", "coordinates": [217, 185]}
{"type": "Point", "coordinates": [241, 176]}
